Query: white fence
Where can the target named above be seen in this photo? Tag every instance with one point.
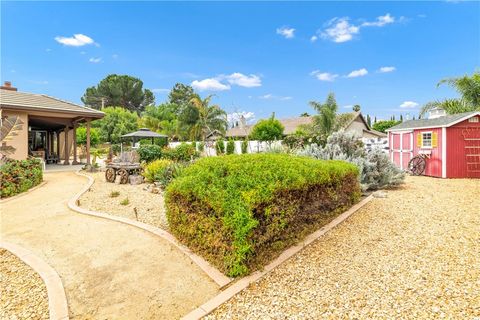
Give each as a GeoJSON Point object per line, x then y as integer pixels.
{"type": "Point", "coordinates": [262, 146]}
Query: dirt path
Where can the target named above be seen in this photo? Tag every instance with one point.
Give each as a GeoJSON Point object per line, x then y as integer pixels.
{"type": "Point", "coordinates": [412, 255]}
{"type": "Point", "coordinates": [109, 270]}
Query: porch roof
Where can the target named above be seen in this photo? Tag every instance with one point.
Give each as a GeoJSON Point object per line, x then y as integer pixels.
{"type": "Point", "coordinates": [40, 102]}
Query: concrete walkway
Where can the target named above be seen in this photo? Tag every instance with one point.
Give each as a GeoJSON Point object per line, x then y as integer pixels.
{"type": "Point", "coordinates": [109, 270]}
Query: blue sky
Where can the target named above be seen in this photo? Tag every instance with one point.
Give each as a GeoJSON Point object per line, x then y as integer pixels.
{"type": "Point", "coordinates": [255, 57]}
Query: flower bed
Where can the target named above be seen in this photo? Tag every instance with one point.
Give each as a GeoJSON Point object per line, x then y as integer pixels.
{"type": "Point", "coordinates": [18, 176]}
{"type": "Point", "coordinates": [240, 211]}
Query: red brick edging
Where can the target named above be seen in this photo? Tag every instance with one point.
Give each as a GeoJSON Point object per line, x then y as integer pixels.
{"type": "Point", "coordinates": [241, 284]}
{"type": "Point", "coordinates": [211, 271]}
{"type": "Point", "coordinates": [57, 301]}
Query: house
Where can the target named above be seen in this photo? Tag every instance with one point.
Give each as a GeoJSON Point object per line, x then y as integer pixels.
{"type": "Point", "coordinates": [351, 122]}
{"type": "Point", "coordinates": [41, 126]}
{"type": "Point", "coordinates": [449, 143]}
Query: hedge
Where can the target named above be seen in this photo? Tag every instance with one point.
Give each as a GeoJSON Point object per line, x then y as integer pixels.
{"type": "Point", "coordinates": [240, 211]}
{"type": "Point", "coordinates": [17, 176]}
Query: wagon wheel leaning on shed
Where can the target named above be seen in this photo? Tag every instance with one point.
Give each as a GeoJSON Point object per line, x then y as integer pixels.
{"type": "Point", "coordinates": [123, 173]}
{"type": "Point", "coordinates": [417, 165]}
{"type": "Point", "coordinates": [110, 175]}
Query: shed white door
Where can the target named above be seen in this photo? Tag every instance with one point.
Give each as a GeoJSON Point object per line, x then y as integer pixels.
{"type": "Point", "coordinates": [402, 148]}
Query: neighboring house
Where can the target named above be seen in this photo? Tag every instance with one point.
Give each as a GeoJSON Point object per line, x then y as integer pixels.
{"type": "Point", "coordinates": [450, 144]}
{"type": "Point", "coordinates": [41, 126]}
{"type": "Point", "coordinates": [350, 122]}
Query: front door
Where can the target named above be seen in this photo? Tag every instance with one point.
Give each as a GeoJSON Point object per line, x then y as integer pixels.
{"type": "Point", "coordinates": [402, 148]}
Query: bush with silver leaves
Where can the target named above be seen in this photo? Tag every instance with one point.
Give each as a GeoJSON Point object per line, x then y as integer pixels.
{"type": "Point", "coordinates": [376, 169]}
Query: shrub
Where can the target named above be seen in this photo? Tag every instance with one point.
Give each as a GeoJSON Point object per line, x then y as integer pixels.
{"type": "Point", "coordinates": [82, 136]}
{"type": "Point", "coordinates": [114, 194]}
{"type": "Point", "coordinates": [267, 130]}
{"type": "Point", "coordinates": [125, 202]}
{"type": "Point", "coordinates": [244, 146]}
{"type": "Point", "coordinates": [201, 146]}
{"type": "Point", "coordinates": [154, 170]}
{"type": "Point", "coordinates": [149, 152]}
{"type": "Point", "coordinates": [220, 147]}
{"type": "Point", "coordinates": [230, 146]}
{"type": "Point", "coordinates": [185, 152]}
{"type": "Point", "coordinates": [376, 169]}
{"type": "Point", "coordinates": [239, 211]}
{"type": "Point", "coordinates": [172, 171]}
{"type": "Point", "coordinates": [17, 176]}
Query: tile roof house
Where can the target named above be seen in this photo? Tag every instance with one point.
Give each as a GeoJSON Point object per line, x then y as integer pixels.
{"type": "Point", "coordinates": [41, 126]}
{"type": "Point", "coordinates": [352, 122]}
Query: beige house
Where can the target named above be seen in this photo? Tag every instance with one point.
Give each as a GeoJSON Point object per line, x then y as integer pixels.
{"type": "Point", "coordinates": [41, 126]}
{"type": "Point", "coordinates": [351, 122]}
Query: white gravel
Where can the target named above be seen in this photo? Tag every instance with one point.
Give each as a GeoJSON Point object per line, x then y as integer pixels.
{"type": "Point", "coordinates": [412, 255]}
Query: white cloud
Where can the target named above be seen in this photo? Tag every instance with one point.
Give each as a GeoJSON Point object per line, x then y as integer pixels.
{"type": "Point", "coordinates": [348, 107]}
{"type": "Point", "coordinates": [340, 30]}
{"type": "Point", "coordinates": [233, 117]}
{"type": "Point", "coordinates": [210, 84]}
{"type": "Point", "coordinates": [95, 60]}
{"type": "Point", "coordinates": [77, 40]}
{"type": "Point", "coordinates": [386, 69]}
{"type": "Point", "coordinates": [271, 96]}
{"type": "Point", "coordinates": [358, 73]}
{"type": "Point", "coordinates": [313, 38]}
{"type": "Point", "coordinates": [324, 76]}
{"type": "Point", "coordinates": [380, 21]}
{"type": "Point", "coordinates": [409, 105]}
{"type": "Point", "coordinates": [242, 80]}
{"type": "Point", "coordinates": [288, 33]}
{"type": "Point", "coordinates": [161, 90]}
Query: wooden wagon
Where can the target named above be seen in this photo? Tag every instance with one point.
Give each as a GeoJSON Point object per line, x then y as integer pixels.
{"type": "Point", "coordinates": [123, 169]}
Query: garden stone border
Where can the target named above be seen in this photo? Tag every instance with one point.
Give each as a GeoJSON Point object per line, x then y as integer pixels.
{"type": "Point", "coordinates": [23, 193]}
{"type": "Point", "coordinates": [219, 278]}
{"type": "Point", "coordinates": [57, 301]}
{"type": "Point", "coordinates": [243, 283]}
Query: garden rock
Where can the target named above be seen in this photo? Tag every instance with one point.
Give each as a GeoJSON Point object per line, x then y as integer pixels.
{"type": "Point", "coordinates": [135, 179]}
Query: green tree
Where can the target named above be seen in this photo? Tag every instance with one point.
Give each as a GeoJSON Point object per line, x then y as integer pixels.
{"type": "Point", "coordinates": [324, 122]}
{"type": "Point", "coordinates": [119, 90]}
{"type": "Point", "coordinates": [356, 108]}
{"type": "Point", "coordinates": [369, 121]}
{"type": "Point", "coordinates": [117, 122]}
{"type": "Point", "coordinates": [181, 94]}
{"type": "Point", "coordinates": [382, 126]}
{"type": "Point", "coordinates": [305, 114]}
{"type": "Point", "coordinates": [267, 130]}
{"type": "Point", "coordinates": [162, 119]}
{"type": "Point", "coordinates": [82, 136]}
{"type": "Point", "coordinates": [210, 118]}
{"type": "Point", "coordinates": [469, 89]}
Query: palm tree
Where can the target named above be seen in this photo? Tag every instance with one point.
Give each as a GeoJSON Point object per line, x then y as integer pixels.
{"type": "Point", "coordinates": [210, 118]}
{"type": "Point", "coordinates": [469, 90]}
{"type": "Point", "coordinates": [327, 114]}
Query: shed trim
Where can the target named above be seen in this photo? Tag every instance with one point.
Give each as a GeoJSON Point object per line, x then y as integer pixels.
{"type": "Point", "coordinates": [444, 152]}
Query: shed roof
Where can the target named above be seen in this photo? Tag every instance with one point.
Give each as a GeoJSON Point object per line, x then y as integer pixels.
{"type": "Point", "coordinates": [40, 102]}
{"type": "Point", "coordinates": [445, 121]}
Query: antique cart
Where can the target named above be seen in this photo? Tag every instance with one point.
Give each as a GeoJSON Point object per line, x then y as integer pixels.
{"type": "Point", "coordinates": [123, 169]}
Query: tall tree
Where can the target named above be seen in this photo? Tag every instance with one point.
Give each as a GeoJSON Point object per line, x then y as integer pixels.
{"type": "Point", "coordinates": [382, 126]}
{"type": "Point", "coordinates": [210, 118]}
{"type": "Point", "coordinates": [369, 121]}
{"type": "Point", "coordinates": [117, 121]}
{"type": "Point", "coordinates": [163, 119]}
{"type": "Point", "coordinates": [119, 90]}
{"type": "Point", "coordinates": [469, 89]}
{"type": "Point", "coordinates": [327, 113]}
{"type": "Point", "coordinates": [356, 108]}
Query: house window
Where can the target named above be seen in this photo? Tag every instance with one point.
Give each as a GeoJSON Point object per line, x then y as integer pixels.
{"type": "Point", "coordinates": [426, 140]}
{"type": "Point", "coordinates": [474, 119]}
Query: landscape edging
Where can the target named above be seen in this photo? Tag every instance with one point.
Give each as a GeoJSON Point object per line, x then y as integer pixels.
{"type": "Point", "coordinates": [211, 271]}
{"type": "Point", "coordinates": [243, 283]}
{"type": "Point", "coordinates": [57, 300]}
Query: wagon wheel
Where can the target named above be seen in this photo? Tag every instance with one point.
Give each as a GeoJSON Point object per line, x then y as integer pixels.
{"type": "Point", "coordinates": [110, 175]}
{"type": "Point", "coordinates": [123, 173]}
{"type": "Point", "coordinates": [417, 165]}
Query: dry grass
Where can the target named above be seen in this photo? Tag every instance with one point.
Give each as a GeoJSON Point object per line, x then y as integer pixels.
{"type": "Point", "coordinates": [412, 255]}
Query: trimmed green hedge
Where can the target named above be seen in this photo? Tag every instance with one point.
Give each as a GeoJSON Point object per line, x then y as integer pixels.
{"type": "Point", "coordinates": [240, 211]}
{"type": "Point", "coordinates": [17, 176]}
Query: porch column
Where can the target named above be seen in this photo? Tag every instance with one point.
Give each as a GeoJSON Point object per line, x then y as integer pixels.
{"type": "Point", "coordinates": [88, 142]}
{"type": "Point", "coordinates": [66, 153]}
{"type": "Point", "coordinates": [58, 144]}
{"type": "Point", "coordinates": [75, 144]}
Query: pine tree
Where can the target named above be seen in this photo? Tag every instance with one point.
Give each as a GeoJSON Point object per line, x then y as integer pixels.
{"type": "Point", "coordinates": [369, 120]}
{"type": "Point", "coordinates": [375, 121]}
{"type": "Point", "coordinates": [401, 117]}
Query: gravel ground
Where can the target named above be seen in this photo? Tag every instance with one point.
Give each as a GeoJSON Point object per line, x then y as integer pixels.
{"type": "Point", "coordinates": [23, 294]}
{"type": "Point", "coordinates": [412, 255]}
{"type": "Point", "coordinates": [149, 206]}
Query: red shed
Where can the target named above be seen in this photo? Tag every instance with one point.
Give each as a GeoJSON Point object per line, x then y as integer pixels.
{"type": "Point", "coordinates": [450, 144]}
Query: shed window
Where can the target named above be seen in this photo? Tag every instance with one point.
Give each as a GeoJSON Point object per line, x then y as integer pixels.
{"type": "Point", "coordinates": [474, 119]}
{"type": "Point", "coordinates": [426, 140]}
